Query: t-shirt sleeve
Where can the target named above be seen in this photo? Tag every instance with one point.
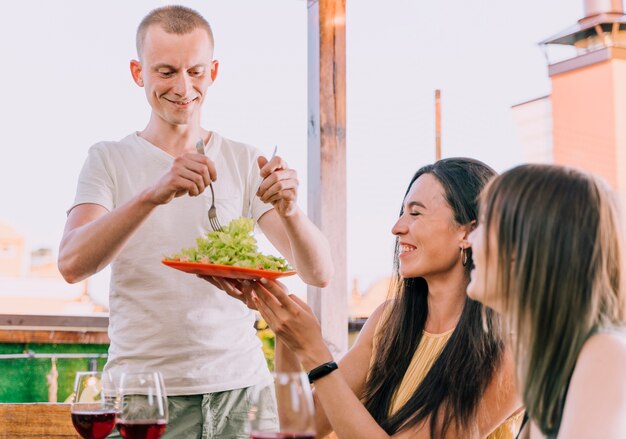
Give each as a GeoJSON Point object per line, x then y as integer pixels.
{"type": "Point", "coordinates": [96, 180]}
{"type": "Point", "coordinates": [257, 207]}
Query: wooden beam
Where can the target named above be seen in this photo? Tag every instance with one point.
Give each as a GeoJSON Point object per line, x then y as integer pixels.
{"type": "Point", "coordinates": [52, 336]}
{"type": "Point", "coordinates": [20, 320]}
{"type": "Point", "coordinates": [327, 159]}
{"type": "Point", "coordinates": [22, 328]}
{"type": "Point", "coordinates": [36, 420]}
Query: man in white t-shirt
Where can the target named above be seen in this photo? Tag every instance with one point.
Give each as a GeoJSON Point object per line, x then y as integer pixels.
{"type": "Point", "coordinates": [144, 197]}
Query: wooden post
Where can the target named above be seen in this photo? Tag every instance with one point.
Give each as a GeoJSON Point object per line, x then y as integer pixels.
{"type": "Point", "coordinates": [327, 159]}
{"type": "Point", "coordinates": [437, 124]}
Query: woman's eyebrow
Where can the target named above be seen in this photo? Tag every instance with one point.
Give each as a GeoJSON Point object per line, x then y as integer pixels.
{"type": "Point", "coordinates": [416, 203]}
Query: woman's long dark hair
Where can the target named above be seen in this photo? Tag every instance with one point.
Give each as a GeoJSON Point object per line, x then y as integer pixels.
{"type": "Point", "coordinates": [453, 388]}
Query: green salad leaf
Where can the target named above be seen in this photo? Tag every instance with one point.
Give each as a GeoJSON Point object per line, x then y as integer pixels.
{"type": "Point", "coordinates": [233, 245]}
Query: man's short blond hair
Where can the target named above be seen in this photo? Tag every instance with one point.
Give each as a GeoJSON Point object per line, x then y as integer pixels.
{"type": "Point", "coordinates": [173, 19]}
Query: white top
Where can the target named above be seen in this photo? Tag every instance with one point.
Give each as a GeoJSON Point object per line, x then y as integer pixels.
{"type": "Point", "coordinates": [197, 336]}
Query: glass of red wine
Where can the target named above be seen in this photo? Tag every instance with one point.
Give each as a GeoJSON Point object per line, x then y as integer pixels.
{"type": "Point", "coordinates": [289, 397]}
{"type": "Point", "coordinates": [93, 406]}
{"type": "Point", "coordinates": [142, 405]}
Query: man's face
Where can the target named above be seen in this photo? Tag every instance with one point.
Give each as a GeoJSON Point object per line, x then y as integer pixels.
{"type": "Point", "coordinates": [176, 71]}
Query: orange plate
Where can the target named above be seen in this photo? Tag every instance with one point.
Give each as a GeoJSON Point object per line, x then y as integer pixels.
{"type": "Point", "coordinates": [226, 270]}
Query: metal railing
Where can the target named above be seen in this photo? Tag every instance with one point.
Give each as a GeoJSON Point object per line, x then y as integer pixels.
{"type": "Point", "coordinates": [34, 355]}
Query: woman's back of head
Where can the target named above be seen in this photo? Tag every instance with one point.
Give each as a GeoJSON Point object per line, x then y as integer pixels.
{"type": "Point", "coordinates": [560, 271]}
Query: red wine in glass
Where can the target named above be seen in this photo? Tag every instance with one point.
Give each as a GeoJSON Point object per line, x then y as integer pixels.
{"type": "Point", "coordinates": [142, 405]}
{"type": "Point", "coordinates": [93, 410]}
{"type": "Point", "coordinates": [283, 435]}
{"type": "Point", "coordinates": [94, 424]}
{"type": "Point", "coordinates": [142, 429]}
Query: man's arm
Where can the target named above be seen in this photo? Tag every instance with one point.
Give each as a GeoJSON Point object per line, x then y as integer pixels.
{"type": "Point", "coordinates": [301, 243]}
{"type": "Point", "coordinates": [93, 236]}
{"type": "Point", "coordinates": [288, 228]}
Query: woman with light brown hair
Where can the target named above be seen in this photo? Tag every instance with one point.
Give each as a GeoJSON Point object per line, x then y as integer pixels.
{"type": "Point", "coordinates": [549, 256]}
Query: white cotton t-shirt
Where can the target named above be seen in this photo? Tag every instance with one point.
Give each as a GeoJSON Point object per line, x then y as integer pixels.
{"type": "Point", "coordinates": [197, 336]}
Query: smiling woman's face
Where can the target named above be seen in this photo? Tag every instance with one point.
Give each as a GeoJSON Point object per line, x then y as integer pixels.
{"type": "Point", "coordinates": [429, 238]}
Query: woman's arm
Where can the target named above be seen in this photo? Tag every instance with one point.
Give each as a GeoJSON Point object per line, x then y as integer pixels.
{"type": "Point", "coordinates": [354, 366]}
{"type": "Point", "coordinates": [293, 321]}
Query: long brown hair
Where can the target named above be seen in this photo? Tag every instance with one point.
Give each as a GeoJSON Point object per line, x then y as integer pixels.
{"type": "Point", "coordinates": [451, 391]}
{"type": "Point", "coordinates": [560, 273]}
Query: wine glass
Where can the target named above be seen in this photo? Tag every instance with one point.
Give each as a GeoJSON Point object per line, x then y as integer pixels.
{"type": "Point", "coordinates": [93, 405]}
{"type": "Point", "coordinates": [142, 405]}
{"type": "Point", "coordinates": [290, 397]}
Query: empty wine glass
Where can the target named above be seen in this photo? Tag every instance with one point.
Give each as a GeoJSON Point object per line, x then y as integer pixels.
{"type": "Point", "coordinates": [142, 405]}
{"type": "Point", "coordinates": [290, 396]}
{"type": "Point", "coordinates": [93, 406]}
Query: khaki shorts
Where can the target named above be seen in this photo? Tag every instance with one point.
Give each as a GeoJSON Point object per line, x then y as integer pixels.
{"type": "Point", "coordinates": [220, 415]}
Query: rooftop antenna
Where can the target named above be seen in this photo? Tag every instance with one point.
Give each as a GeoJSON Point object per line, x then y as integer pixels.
{"type": "Point", "coordinates": [437, 124]}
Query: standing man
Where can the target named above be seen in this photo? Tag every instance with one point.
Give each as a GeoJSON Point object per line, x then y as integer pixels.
{"type": "Point", "coordinates": [144, 197]}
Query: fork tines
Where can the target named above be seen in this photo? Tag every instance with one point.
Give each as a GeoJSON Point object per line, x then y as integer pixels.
{"type": "Point", "coordinates": [215, 223]}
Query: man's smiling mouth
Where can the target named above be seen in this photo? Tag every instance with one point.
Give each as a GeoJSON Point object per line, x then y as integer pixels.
{"type": "Point", "coordinates": [180, 103]}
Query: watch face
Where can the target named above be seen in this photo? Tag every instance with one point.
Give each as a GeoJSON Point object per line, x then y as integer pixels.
{"type": "Point", "coordinates": [322, 370]}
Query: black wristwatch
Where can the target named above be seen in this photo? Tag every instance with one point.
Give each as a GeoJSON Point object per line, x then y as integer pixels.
{"type": "Point", "coordinates": [322, 371]}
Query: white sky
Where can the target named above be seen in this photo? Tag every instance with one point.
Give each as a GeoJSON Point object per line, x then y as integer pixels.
{"type": "Point", "coordinates": [66, 85]}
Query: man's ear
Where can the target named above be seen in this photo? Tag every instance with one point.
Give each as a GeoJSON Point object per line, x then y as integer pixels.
{"type": "Point", "coordinates": [215, 65]}
{"type": "Point", "coordinates": [135, 70]}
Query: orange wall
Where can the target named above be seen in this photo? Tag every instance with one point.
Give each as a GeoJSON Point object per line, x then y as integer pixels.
{"type": "Point", "coordinates": [619, 72]}
{"type": "Point", "coordinates": [585, 119]}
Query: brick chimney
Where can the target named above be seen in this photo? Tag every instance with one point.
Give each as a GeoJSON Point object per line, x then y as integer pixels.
{"type": "Point", "coordinates": [596, 7]}
{"type": "Point", "coordinates": [589, 94]}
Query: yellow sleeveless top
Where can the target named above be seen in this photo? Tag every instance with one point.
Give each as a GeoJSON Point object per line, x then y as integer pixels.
{"type": "Point", "coordinates": [423, 359]}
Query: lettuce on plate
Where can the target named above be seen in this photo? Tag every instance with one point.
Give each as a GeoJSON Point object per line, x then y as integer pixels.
{"type": "Point", "coordinates": [233, 245]}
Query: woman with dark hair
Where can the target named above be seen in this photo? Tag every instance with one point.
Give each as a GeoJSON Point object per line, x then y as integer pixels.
{"type": "Point", "coordinates": [550, 258]}
{"type": "Point", "coordinates": [429, 362]}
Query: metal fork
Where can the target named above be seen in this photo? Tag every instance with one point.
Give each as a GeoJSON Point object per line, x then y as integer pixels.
{"type": "Point", "coordinates": [215, 223]}
{"type": "Point", "coordinates": [273, 155]}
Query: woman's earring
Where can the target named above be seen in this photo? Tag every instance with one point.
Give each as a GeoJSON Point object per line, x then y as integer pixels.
{"type": "Point", "coordinates": [464, 256]}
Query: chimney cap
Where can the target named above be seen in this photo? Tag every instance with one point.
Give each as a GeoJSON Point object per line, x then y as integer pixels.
{"type": "Point", "coordinates": [581, 29]}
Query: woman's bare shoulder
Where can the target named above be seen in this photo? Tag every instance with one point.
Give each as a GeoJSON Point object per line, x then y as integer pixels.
{"type": "Point", "coordinates": [601, 365]}
{"type": "Point", "coordinates": [611, 344]}
{"type": "Point", "coordinates": [596, 400]}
